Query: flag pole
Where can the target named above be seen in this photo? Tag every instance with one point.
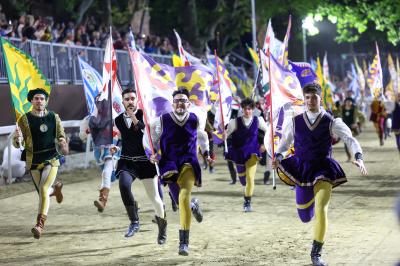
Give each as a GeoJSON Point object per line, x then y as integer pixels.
{"type": "Point", "coordinates": [141, 106]}
{"type": "Point", "coordinates": [271, 122]}
{"type": "Point", "coordinates": [220, 100]}
{"type": "Point", "coordinates": [110, 92]}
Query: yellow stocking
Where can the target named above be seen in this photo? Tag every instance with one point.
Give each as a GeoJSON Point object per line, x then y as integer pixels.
{"type": "Point", "coordinates": [322, 192]}
{"type": "Point", "coordinates": [251, 168]}
{"type": "Point", "coordinates": [186, 183]}
{"type": "Point", "coordinates": [48, 175]}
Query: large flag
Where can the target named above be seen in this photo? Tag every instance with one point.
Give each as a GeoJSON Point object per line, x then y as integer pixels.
{"type": "Point", "coordinates": [284, 86]}
{"type": "Point", "coordinates": [110, 80]}
{"type": "Point", "coordinates": [157, 82]}
{"type": "Point", "coordinates": [374, 79]}
{"type": "Point", "coordinates": [92, 84]}
{"type": "Point", "coordinates": [23, 76]}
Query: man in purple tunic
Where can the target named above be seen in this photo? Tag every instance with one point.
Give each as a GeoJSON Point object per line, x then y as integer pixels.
{"type": "Point", "coordinates": [176, 134]}
{"type": "Point", "coordinates": [244, 148]}
{"type": "Point", "coordinates": [311, 169]}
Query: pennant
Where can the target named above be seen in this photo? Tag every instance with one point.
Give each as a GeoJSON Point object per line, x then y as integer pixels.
{"type": "Point", "coordinates": [23, 75]}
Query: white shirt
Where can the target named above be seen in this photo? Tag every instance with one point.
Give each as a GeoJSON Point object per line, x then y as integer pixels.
{"type": "Point", "coordinates": [202, 138]}
{"type": "Point", "coordinates": [339, 128]}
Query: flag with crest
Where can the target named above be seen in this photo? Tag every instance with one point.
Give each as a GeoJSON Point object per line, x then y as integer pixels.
{"type": "Point", "coordinates": [92, 84]}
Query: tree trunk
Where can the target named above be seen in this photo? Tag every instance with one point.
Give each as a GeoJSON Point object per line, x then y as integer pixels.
{"type": "Point", "coordinates": [109, 13]}
{"type": "Point", "coordinates": [190, 26]}
{"type": "Point", "coordinates": [83, 7]}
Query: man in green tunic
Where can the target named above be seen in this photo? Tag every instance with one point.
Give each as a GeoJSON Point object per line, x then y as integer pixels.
{"type": "Point", "coordinates": [41, 133]}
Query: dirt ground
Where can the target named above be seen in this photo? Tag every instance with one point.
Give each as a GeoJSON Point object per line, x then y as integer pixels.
{"type": "Point", "coordinates": [363, 228]}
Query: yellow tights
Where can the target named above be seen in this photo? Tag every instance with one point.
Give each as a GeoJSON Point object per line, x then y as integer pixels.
{"type": "Point", "coordinates": [322, 194]}
{"type": "Point", "coordinates": [43, 180]}
{"type": "Point", "coordinates": [186, 183]}
{"type": "Point", "coordinates": [251, 168]}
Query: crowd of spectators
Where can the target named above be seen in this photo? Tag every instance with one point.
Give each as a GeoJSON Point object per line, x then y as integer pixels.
{"type": "Point", "coordinates": [89, 33]}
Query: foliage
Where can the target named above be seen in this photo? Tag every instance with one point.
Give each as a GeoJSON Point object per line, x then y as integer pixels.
{"type": "Point", "coordinates": [356, 17]}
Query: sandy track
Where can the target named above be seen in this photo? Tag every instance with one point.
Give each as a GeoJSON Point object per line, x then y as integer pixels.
{"type": "Point", "coordinates": [362, 230]}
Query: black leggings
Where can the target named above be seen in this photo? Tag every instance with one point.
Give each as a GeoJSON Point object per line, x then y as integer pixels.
{"type": "Point", "coordinates": [125, 183]}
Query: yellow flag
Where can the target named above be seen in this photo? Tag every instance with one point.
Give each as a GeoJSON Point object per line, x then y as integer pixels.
{"type": "Point", "coordinates": [176, 61]}
{"type": "Point", "coordinates": [254, 56]}
{"type": "Point", "coordinates": [23, 76]}
{"type": "Point", "coordinates": [326, 95]}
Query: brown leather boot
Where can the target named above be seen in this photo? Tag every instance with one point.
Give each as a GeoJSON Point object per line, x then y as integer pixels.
{"type": "Point", "coordinates": [38, 228]}
{"type": "Point", "coordinates": [101, 203]}
{"type": "Point", "coordinates": [57, 191]}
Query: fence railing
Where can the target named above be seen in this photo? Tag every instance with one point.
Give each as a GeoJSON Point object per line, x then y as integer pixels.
{"type": "Point", "coordinates": [59, 62]}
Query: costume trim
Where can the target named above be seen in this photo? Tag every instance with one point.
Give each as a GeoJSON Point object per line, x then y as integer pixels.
{"type": "Point", "coordinates": [179, 123]}
{"type": "Point", "coordinates": [316, 122]}
{"type": "Point", "coordinates": [288, 179]}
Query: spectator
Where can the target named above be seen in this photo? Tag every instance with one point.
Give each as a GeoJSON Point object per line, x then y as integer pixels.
{"type": "Point", "coordinates": [18, 167]}
{"type": "Point", "coordinates": [21, 25]}
{"type": "Point", "coordinates": [28, 32]}
{"type": "Point", "coordinates": [166, 47]}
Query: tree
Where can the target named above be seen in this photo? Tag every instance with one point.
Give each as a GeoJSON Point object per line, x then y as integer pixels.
{"type": "Point", "coordinates": [356, 17]}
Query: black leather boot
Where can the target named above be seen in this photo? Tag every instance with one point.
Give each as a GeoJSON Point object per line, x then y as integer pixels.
{"type": "Point", "coordinates": [316, 254]}
{"type": "Point", "coordinates": [247, 204]}
{"type": "Point", "coordinates": [162, 230]}
{"type": "Point", "coordinates": [183, 242]}
{"type": "Point", "coordinates": [134, 226]}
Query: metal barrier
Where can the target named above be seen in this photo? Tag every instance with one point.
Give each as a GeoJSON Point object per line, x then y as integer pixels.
{"type": "Point", "coordinates": [59, 62]}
